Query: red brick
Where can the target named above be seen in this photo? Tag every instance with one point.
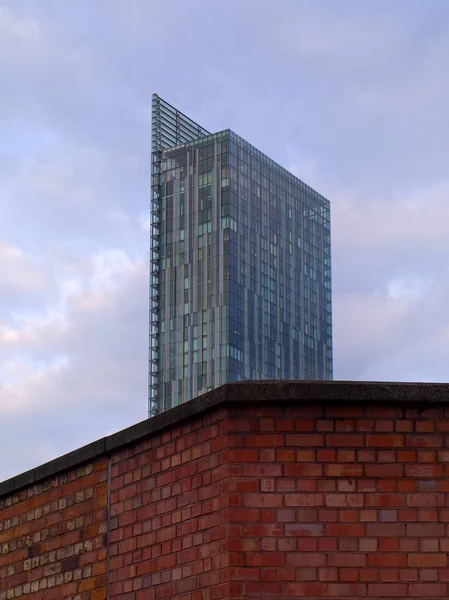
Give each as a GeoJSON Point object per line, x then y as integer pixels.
{"type": "Point", "coordinates": [385, 500]}
{"type": "Point", "coordinates": [263, 529]}
{"type": "Point", "coordinates": [344, 529]}
{"type": "Point", "coordinates": [306, 515]}
{"type": "Point", "coordinates": [425, 500]}
{"type": "Point", "coordinates": [325, 455]}
{"type": "Point", "coordinates": [428, 515]}
{"type": "Point", "coordinates": [427, 560]}
{"type": "Point", "coordinates": [424, 426]}
{"type": "Point", "coordinates": [304, 529]}
{"type": "Point", "coordinates": [243, 456]}
{"type": "Point", "coordinates": [266, 425]}
{"type": "Point", "coordinates": [364, 425]}
{"type": "Point", "coordinates": [265, 440]}
{"type": "Point", "coordinates": [368, 575]}
{"type": "Point", "coordinates": [367, 545]}
{"type": "Point", "coordinates": [346, 590]}
{"type": "Point", "coordinates": [389, 544]}
{"type": "Point", "coordinates": [428, 575]}
{"type": "Point", "coordinates": [428, 590]}
{"type": "Point", "coordinates": [279, 574]}
{"type": "Point", "coordinates": [407, 514]}
{"type": "Point", "coordinates": [443, 456]}
{"type": "Point", "coordinates": [328, 574]}
{"type": "Point", "coordinates": [269, 559]}
{"type": "Point", "coordinates": [327, 515]}
{"type": "Point", "coordinates": [303, 425]}
{"type": "Point", "coordinates": [403, 426]}
{"type": "Point", "coordinates": [262, 500]}
{"type": "Point", "coordinates": [325, 485]}
{"type": "Point", "coordinates": [347, 485]}
{"type": "Point", "coordinates": [344, 440]}
{"type": "Point", "coordinates": [405, 456]}
{"type": "Point", "coordinates": [254, 589]}
{"type": "Point", "coordinates": [388, 516]}
{"type": "Point", "coordinates": [387, 590]}
{"type": "Point", "coordinates": [303, 470]}
{"type": "Point", "coordinates": [304, 574]}
{"type": "Point", "coordinates": [261, 470]}
{"type": "Point", "coordinates": [343, 559]}
{"type": "Point", "coordinates": [386, 456]}
{"type": "Point", "coordinates": [345, 425]}
{"type": "Point", "coordinates": [304, 485]}
{"type": "Point", "coordinates": [389, 575]}
{"type": "Point", "coordinates": [387, 485]}
{"type": "Point", "coordinates": [425, 441]}
{"type": "Point", "coordinates": [343, 470]}
{"type": "Point", "coordinates": [305, 455]}
{"type": "Point", "coordinates": [346, 455]}
{"type": "Point", "coordinates": [366, 456]}
{"type": "Point", "coordinates": [385, 530]}
{"type": "Point", "coordinates": [306, 559]}
{"type": "Point", "coordinates": [284, 425]}
{"type": "Point", "coordinates": [366, 485]}
{"type": "Point", "coordinates": [423, 471]}
{"type": "Point", "coordinates": [408, 575]}
{"type": "Point", "coordinates": [406, 485]}
{"type": "Point", "coordinates": [344, 500]}
{"type": "Point", "coordinates": [306, 440]}
{"type": "Point", "coordinates": [383, 412]}
{"type": "Point", "coordinates": [384, 470]}
{"type": "Point", "coordinates": [308, 544]}
{"type": "Point", "coordinates": [304, 500]}
{"type": "Point", "coordinates": [313, 411]}
{"type": "Point", "coordinates": [347, 545]}
{"type": "Point", "coordinates": [384, 441]}
{"type": "Point", "coordinates": [388, 559]}
{"type": "Point", "coordinates": [285, 455]}
{"type": "Point", "coordinates": [428, 530]}
{"type": "Point", "coordinates": [383, 425]}
{"type": "Point", "coordinates": [241, 515]}
{"type": "Point", "coordinates": [429, 545]}
{"type": "Point", "coordinates": [242, 485]}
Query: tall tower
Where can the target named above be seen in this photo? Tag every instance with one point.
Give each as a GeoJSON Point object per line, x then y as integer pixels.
{"type": "Point", "coordinates": [240, 281]}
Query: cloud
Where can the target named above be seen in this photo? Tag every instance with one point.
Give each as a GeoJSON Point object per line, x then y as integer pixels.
{"type": "Point", "coordinates": [24, 283]}
{"type": "Point", "coordinates": [18, 30]}
{"type": "Point", "coordinates": [79, 376]}
{"type": "Point", "coordinates": [351, 96]}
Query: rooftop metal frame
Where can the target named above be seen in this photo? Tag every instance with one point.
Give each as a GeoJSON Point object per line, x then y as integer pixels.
{"type": "Point", "coordinates": [169, 128]}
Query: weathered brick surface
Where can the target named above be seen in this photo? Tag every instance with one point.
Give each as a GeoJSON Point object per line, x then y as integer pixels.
{"type": "Point", "coordinates": [257, 501]}
{"type": "Point", "coordinates": [347, 502]}
{"type": "Point", "coordinates": [53, 538]}
{"type": "Point", "coordinates": [169, 515]}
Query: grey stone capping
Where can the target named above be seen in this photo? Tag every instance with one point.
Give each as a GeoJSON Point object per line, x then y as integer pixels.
{"type": "Point", "coordinates": [407, 395]}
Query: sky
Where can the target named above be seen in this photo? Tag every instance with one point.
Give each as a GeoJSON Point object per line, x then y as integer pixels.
{"type": "Point", "coordinates": [350, 96]}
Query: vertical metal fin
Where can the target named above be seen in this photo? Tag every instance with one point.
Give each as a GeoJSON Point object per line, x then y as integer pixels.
{"type": "Point", "coordinates": [169, 127]}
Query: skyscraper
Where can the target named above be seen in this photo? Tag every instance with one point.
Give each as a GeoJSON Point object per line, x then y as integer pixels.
{"type": "Point", "coordinates": [240, 282]}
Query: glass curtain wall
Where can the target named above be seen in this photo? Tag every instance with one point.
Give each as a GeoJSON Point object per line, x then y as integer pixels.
{"type": "Point", "coordinates": [243, 282]}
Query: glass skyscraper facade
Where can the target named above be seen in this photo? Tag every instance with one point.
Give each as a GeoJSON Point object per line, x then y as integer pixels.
{"type": "Point", "coordinates": [240, 279]}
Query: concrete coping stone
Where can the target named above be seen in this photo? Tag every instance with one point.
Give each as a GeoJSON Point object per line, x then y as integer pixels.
{"type": "Point", "coordinates": [408, 395]}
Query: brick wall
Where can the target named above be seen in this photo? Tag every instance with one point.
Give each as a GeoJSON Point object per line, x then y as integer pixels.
{"type": "Point", "coordinates": [279, 495]}
{"type": "Point", "coordinates": [347, 502]}
{"type": "Point", "coordinates": [169, 515]}
{"type": "Point", "coordinates": [53, 538]}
